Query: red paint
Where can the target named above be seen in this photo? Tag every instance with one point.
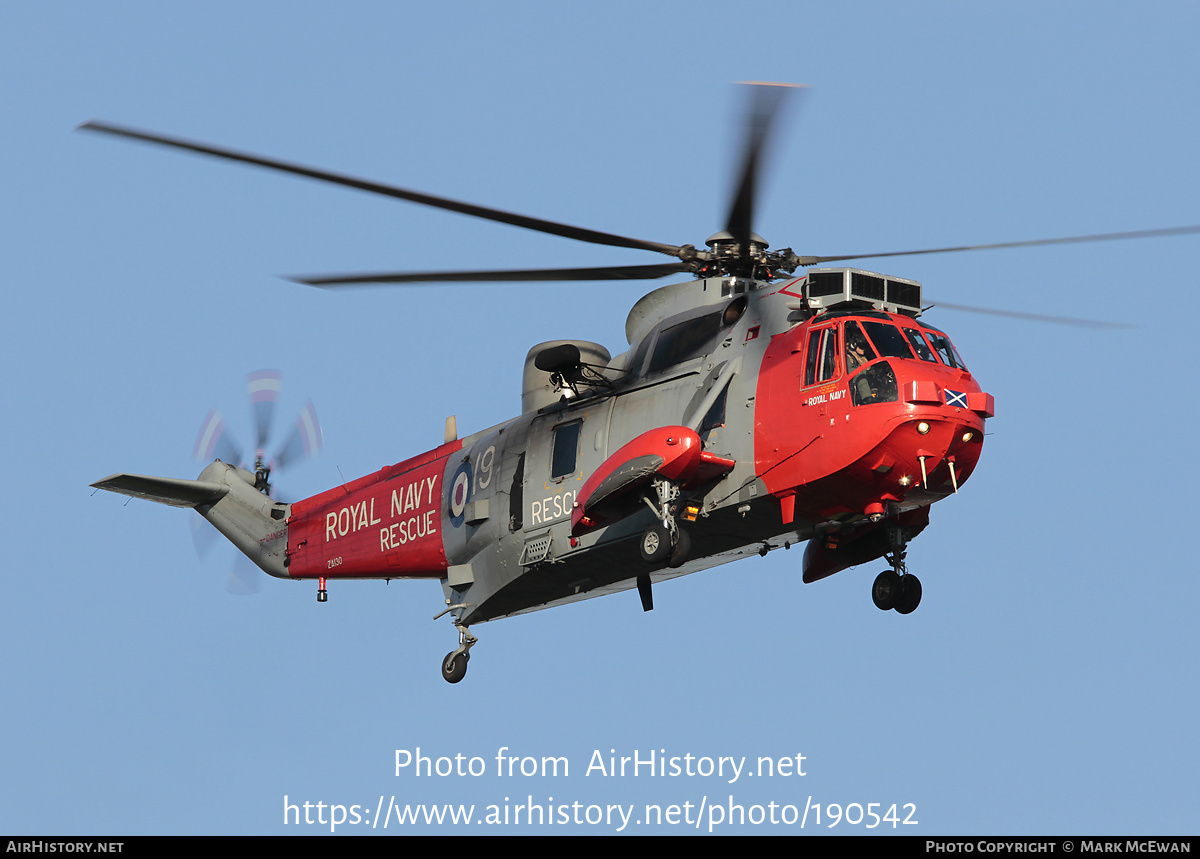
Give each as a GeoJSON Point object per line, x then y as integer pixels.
{"type": "Point", "coordinates": [385, 525]}
{"type": "Point", "coordinates": [827, 555]}
{"type": "Point", "coordinates": [841, 458]}
{"type": "Point", "coordinates": [679, 450]}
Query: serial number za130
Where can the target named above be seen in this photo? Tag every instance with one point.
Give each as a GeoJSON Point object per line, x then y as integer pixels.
{"type": "Point", "coordinates": [333, 562]}
{"type": "Point", "coordinates": [855, 814]}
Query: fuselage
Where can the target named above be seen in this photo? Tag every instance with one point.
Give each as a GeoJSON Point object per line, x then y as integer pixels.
{"type": "Point", "coordinates": [834, 419]}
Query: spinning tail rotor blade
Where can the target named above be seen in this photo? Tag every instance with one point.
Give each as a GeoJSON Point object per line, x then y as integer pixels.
{"type": "Point", "coordinates": [264, 387]}
{"type": "Point", "coordinates": [204, 536]}
{"type": "Point", "coordinates": [306, 438]}
{"type": "Point", "coordinates": [216, 442]}
{"type": "Point", "coordinates": [243, 577]}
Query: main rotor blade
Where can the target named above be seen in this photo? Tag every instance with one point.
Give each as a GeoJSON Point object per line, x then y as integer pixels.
{"type": "Point", "coordinates": [1072, 321]}
{"type": "Point", "coordinates": [529, 223]}
{"type": "Point", "coordinates": [765, 102]}
{"type": "Point", "coordinates": [1100, 237]}
{"type": "Point", "coordinates": [625, 272]}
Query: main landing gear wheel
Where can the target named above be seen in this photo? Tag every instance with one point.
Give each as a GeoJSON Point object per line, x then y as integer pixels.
{"type": "Point", "coordinates": [683, 548]}
{"type": "Point", "coordinates": [656, 543]}
{"type": "Point", "coordinates": [664, 539]}
{"type": "Point", "coordinates": [454, 666]}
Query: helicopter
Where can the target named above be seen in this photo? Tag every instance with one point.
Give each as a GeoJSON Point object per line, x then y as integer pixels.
{"type": "Point", "coordinates": [754, 409]}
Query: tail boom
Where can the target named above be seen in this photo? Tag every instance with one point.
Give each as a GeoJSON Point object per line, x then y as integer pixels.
{"type": "Point", "coordinates": [226, 497]}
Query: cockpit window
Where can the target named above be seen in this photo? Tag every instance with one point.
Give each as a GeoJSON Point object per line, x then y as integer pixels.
{"type": "Point", "coordinates": [858, 350]}
{"type": "Point", "coordinates": [822, 356]}
{"type": "Point", "coordinates": [919, 345]}
{"type": "Point", "coordinates": [888, 340]}
{"type": "Point", "coordinates": [944, 348]}
{"type": "Point", "coordinates": [875, 384]}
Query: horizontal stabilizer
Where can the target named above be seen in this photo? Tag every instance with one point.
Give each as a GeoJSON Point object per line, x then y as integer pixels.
{"type": "Point", "coordinates": [165, 490]}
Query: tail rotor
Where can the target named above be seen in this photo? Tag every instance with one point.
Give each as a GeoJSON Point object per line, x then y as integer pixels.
{"type": "Point", "coordinates": [215, 441]}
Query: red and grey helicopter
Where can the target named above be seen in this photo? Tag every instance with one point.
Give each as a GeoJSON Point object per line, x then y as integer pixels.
{"type": "Point", "coordinates": [755, 408]}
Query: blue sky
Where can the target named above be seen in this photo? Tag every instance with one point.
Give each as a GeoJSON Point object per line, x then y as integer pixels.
{"type": "Point", "coordinates": [1044, 686]}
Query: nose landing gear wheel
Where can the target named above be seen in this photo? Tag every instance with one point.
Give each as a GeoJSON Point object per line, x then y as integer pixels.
{"type": "Point", "coordinates": [897, 588]}
{"type": "Point", "coordinates": [454, 666]}
{"type": "Point", "coordinates": [910, 596]}
{"type": "Point", "coordinates": [894, 591]}
{"type": "Point", "coordinates": [886, 590]}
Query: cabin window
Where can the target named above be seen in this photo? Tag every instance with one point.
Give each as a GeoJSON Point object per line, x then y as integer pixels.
{"type": "Point", "coordinates": [515, 494]}
{"type": "Point", "coordinates": [565, 449]}
{"type": "Point", "coordinates": [685, 340]}
{"type": "Point", "coordinates": [822, 356]}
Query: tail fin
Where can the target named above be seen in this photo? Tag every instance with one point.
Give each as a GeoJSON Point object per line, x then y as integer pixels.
{"type": "Point", "coordinates": [226, 497]}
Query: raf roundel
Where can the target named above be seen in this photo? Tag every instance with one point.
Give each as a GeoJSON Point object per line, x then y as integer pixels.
{"type": "Point", "coordinates": [460, 493]}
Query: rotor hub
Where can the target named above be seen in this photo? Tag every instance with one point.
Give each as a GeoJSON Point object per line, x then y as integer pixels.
{"type": "Point", "coordinates": [725, 244]}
